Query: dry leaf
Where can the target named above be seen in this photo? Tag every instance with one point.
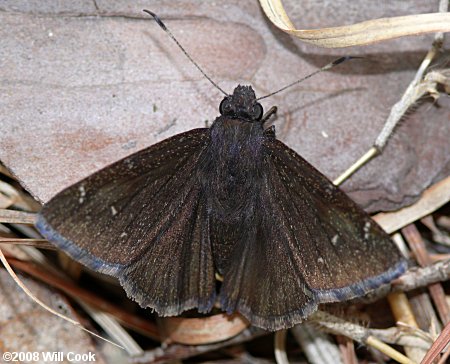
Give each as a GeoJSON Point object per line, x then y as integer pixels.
{"type": "Point", "coordinates": [366, 32]}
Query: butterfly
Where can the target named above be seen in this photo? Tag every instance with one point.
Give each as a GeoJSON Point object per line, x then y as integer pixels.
{"type": "Point", "coordinates": [230, 199]}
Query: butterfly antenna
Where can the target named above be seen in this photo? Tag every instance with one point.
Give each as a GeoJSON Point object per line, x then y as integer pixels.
{"type": "Point", "coordinates": [163, 26]}
{"type": "Point", "coordinates": [324, 68]}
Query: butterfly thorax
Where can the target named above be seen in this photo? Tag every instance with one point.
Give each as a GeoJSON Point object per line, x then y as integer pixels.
{"type": "Point", "coordinates": [232, 170]}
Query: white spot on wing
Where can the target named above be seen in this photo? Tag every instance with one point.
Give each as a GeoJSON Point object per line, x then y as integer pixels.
{"type": "Point", "coordinates": [82, 194]}
{"type": "Point", "coordinates": [334, 239]}
{"type": "Point", "coordinates": [366, 229]}
{"type": "Point", "coordinates": [113, 211]}
{"type": "Point", "coordinates": [129, 163]}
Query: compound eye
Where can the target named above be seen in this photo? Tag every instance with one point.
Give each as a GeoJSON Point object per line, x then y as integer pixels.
{"type": "Point", "coordinates": [257, 112]}
{"type": "Point", "coordinates": [225, 106]}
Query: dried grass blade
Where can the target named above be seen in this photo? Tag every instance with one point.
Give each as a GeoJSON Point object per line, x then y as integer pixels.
{"type": "Point", "coordinates": [44, 306]}
{"type": "Point", "coordinates": [366, 32]}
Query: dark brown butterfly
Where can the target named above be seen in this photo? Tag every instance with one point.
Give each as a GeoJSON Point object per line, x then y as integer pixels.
{"type": "Point", "coordinates": [230, 199]}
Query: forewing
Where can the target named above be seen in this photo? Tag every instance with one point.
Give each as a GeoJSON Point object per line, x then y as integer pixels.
{"type": "Point", "coordinates": [142, 220]}
{"type": "Point", "coordinates": [342, 251]}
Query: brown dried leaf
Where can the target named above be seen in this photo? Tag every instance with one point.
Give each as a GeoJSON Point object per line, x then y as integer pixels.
{"type": "Point", "coordinates": [84, 96]}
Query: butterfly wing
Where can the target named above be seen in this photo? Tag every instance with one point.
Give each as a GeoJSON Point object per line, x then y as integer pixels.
{"type": "Point", "coordinates": [310, 243]}
{"type": "Point", "coordinates": [142, 220]}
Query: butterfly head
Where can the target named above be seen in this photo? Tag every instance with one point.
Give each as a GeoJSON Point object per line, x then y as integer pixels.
{"type": "Point", "coordinates": [242, 105]}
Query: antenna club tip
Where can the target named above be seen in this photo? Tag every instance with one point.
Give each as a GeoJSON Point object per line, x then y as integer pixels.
{"type": "Point", "coordinates": [340, 60]}
{"type": "Point", "coordinates": [156, 17]}
{"type": "Point", "coordinates": [344, 59]}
